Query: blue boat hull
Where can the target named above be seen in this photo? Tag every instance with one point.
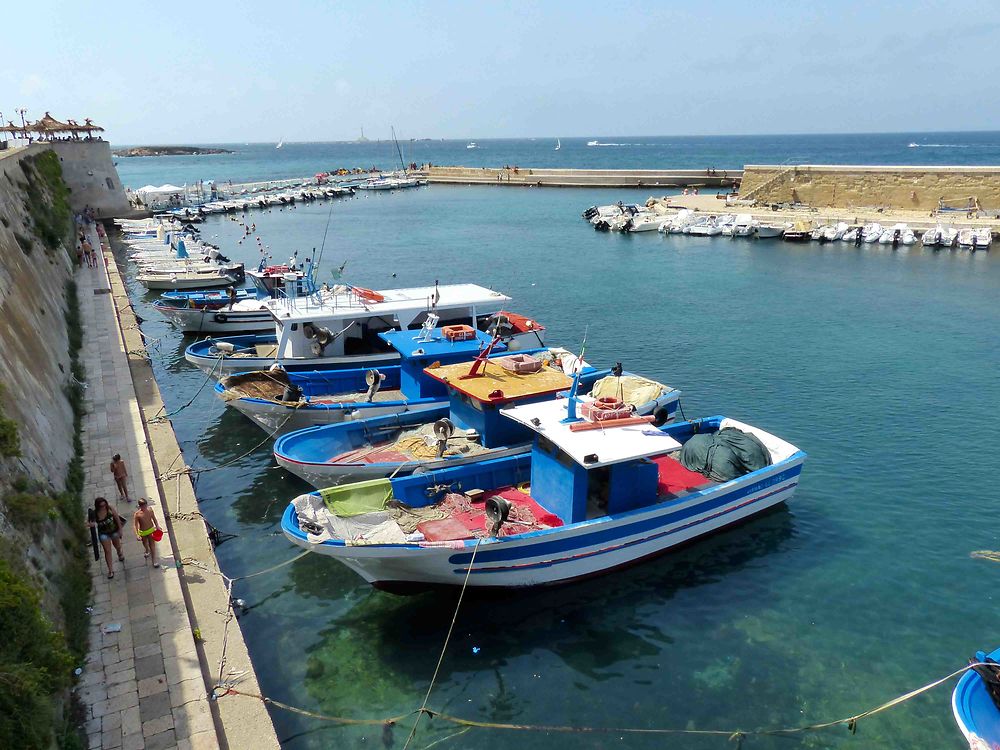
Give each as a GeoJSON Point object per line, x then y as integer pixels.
{"type": "Point", "coordinates": [975, 713]}
{"type": "Point", "coordinates": [563, 553]}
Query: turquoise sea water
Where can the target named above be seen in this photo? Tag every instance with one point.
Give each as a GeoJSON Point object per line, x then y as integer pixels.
{"type": "Point", "coordinates": [881, 364]}
{"type": "Point", "coordinates": [256, 161]}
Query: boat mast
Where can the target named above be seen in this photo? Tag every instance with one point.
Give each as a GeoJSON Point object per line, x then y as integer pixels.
{"type": "Point", "coordinates": [398, 151]}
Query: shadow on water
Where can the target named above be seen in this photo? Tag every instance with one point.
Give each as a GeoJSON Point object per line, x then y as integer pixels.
{"type": "Point", "coordinates": [508, 647]}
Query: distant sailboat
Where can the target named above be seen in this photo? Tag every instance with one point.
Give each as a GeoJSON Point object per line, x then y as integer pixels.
{"type": "Point", "coordinates": [558, 144]}
{"type": "Point", "coordinates": [281, 142]}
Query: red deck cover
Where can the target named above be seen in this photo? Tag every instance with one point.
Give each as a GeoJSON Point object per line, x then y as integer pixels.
{"type": "Point", "coordinates": [675, 479]}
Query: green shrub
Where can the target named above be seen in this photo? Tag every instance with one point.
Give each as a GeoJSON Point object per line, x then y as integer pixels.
{"type": "Point", "coordinates": [48, 199]}
{"type": "Point", "coordinates": [29, 510]}
{"type": "Point", "coordinates": [34, 665]}
{"type": "Point", "coordinates": [10, 439]}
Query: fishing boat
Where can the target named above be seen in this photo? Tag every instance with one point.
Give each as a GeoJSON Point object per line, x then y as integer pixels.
{"type": "Point", "coordinates": [592, 496]}
{"type": "Point", "coordinates": [182, 279]}
{"type": "Point", "coordinates": [279, 401]}
{"type": "Point", "coordinates": [469, 428]}
{"type": "Point", "coordinates": [344, 323]}
{"type": "Point", "coordinates": [975, 702]}
{"type": "Point", "coordinates": [221, 315]}
{"type": "Point", "coordinates": [975, 238]}
{"type": "Point", "coordinates": [799, 231]}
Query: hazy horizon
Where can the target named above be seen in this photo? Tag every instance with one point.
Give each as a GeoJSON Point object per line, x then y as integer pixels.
{"type": "Point", "coordinates": [217, 74]}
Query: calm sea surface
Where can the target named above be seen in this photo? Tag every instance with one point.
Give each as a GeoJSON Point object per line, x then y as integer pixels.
{"type": "Point", "coordinates": [882, 365]}
{"type": "Point", "coordinates": [256, 161]}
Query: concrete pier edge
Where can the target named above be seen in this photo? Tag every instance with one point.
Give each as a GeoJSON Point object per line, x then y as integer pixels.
{"type": "Point", "coordinates": [239, 723]}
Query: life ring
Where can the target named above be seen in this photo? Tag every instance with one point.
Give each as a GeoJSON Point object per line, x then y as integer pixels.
{"type": "Point", "coordinates": [368, 295]}
{"type": "Point", "coordinates": [458, 332]}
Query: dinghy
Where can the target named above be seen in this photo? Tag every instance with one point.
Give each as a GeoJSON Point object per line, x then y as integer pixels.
{"type": "Point", "coordinates": [897, 234]}
{"type": "Point", "coordinates": [680, 220]}
{"type": "Point", "coordinates": [975, 702]}
{"type": "Point", "coordinates": [744, 225]}
{"type": "Point", "coordinates": [470, 428]}
{"type": "Point", "coordinates": [834, 232]}
{"type": "Point", "coordinates": [704, 227]}
{"type": "Point", "coordinates": [592, 496]}
{"type": "Point", "coordinates": [872, 232]}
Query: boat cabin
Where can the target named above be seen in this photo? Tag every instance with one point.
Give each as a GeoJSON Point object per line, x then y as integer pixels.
{"type": "Point", "coordinates": [431, 347]}
{"type": "Point", "coordinates": [281, 281]}
{"type": "Point", "coordinates": [476, 393]}
{"type": "Point", "coordinates": [347, 320]}
{"type": "Point", "coordinates": [609, 467]}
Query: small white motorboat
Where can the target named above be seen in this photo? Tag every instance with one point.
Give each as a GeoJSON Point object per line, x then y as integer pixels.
{"type": "Point", "coordinates": [897, 234]}
{"type": "Point", "coordinates": [704, 227]}
{"type": "Point", "coordinates": [644, 222]}
{"type": "Point", "coordinates": [871, 232]}
{"type": "Point", "coordinates": [593, 143]}
{"type": "Point", "coordinates": [769, 231]}
{"type": "Point", "coordinates": [744, 225]}
{"type": "Point", "coordinates": [681, 219]}
{"type": "Point", "coordinates": [932, 237]}
{"type": "Point", "coordinates": [949, 236]}
{"type": "Point", "coordinates": [975, 238]}
{"type": "Point", "coordinates": [473, 144]}
{"type": "Point", "coordinates": [834, 232]}
{"type": "Point", "coordinates": [726, 224]}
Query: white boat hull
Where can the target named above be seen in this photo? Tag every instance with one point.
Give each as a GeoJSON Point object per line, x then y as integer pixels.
{"type": "Point", "coordinates": [195, 320]}
{"type": "Point", "coordinates": [278, 419]}
{"type": "Point", "coordinates": [565, 553]}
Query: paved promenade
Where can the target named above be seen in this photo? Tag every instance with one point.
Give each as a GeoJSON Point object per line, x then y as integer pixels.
{"type": "Point", "coordinates": [143, 685]}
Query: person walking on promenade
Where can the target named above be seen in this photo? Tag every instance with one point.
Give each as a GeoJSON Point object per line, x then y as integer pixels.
{"type": "Point", "coordinates": [109, 526]}
{"type": "Point", "coordinates": [145, 527]}
{"type": "Point", "coordinates": [120, 473]}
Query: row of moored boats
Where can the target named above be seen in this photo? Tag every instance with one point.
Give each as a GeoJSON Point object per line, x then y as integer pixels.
{"type": "Point", "coordinates": [656, 216]}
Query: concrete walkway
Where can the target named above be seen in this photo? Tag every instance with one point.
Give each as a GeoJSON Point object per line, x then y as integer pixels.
{"type": "Point", "coordinates": [143, 685]}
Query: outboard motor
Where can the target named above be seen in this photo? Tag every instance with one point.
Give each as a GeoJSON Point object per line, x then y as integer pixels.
{"type": "Point", "coordinates": [602, 226]}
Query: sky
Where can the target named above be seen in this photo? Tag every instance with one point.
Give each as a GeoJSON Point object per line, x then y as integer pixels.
{"type": "Point", "coordinates": [226, 72]}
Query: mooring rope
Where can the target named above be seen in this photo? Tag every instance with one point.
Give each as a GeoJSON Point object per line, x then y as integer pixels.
{"type": "Point", "coordinates": [159, 417]}
{"type": "Point", "coordinates": [735, 735]}
{"type": "Point", "coordinates": [444, 646]}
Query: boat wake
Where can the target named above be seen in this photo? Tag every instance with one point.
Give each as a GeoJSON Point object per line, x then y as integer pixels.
{"type": "Point", "coordinates": [939, 145]}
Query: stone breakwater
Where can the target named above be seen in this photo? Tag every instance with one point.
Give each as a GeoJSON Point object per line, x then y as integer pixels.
{"type": "Point", "coordinates": [587, 178]}
{"type": "Point", "coordinates": [911, 188]}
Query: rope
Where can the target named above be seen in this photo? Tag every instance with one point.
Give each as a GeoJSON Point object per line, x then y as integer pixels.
{"type": "Point", "coordinates": [158, 417]}
{"type": "Point", "coordinates": [733, 735]}
{"type": "Point", "coordinates": [444, 646]}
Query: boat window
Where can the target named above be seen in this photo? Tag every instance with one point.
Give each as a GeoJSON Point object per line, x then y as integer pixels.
{"type": "Point", "coordinates": [295, 326]}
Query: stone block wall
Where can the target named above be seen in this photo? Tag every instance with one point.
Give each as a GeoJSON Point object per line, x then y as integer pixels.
{"type": "Point", "coordinates": [908, 188]}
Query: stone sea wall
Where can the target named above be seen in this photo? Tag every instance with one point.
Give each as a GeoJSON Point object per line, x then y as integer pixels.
{"type": "Point", "coordinates": [34, 351]}
{"type": "Point", "coordinates": [907, 188]}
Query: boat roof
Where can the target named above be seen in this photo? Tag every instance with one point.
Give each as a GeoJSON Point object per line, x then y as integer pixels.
{"type": "Point", "coordinates": [495, 385]}
{"type": "Point", "coordinates": [409, 346]}
{"type": "Point", "coordinates": [346, 302]}
{"type": "Point", "coordinates": [611, 445]}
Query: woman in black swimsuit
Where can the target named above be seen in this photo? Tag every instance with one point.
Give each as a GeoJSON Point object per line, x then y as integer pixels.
{"type": "Point", "coordinates": [109, 525]}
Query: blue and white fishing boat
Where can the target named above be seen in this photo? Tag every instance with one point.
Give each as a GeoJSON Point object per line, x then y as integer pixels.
{"type": "Point", "coordinates": [976, 702]}
{"type": "Point", "coordinates": [280, 402]}
{"type": "Point", "coordinates": [468, 429]}
{"type": "Point", "coordinates": [339, 327]}
{"type": "Point", "coordinates": [592, 496]}
{"type": "Point", "coordinates": [219, 312]}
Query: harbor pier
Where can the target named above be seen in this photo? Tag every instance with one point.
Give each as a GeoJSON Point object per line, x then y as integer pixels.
{"type": "Point", "coordinates": [160, 638]}
{"type": "Point", "coordinates": [586, 178]}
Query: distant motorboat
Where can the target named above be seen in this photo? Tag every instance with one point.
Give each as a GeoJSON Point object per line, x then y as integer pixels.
{"type": "Point", "coordinates": [558, 144]}
{"type": "Point", "coordinates": [975, 239]}
{"type": "Point", "coordinates": [897, 234]}
{"type": "Point", "coordinates": [800, 231]}
{"type": "Point", "coordinates": [472, 144]}
{"type": "Point", "coordinates": [770, 231]}
{"type": "Point", "coordinates": [871, 232]}
{"type": "Point", "coordinates": [593, 143]}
